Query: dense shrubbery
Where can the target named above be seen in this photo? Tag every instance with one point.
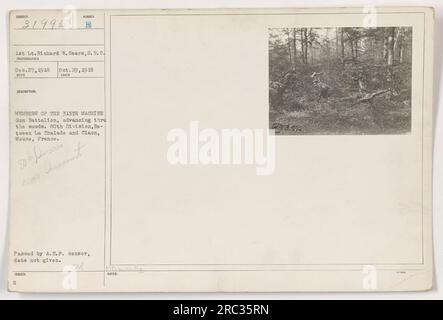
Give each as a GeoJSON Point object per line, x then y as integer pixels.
{"type": "Point", "coordinates": [327, 90]}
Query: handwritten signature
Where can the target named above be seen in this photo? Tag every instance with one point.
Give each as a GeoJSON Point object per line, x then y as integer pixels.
{"type": "Point", "coordinates": [51, 166]}
{"type": "Point", "coordinates": [37, 154]}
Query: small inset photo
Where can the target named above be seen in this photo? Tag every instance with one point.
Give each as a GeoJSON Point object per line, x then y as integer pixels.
{"type": "Point", "coordinates": [337, 81]}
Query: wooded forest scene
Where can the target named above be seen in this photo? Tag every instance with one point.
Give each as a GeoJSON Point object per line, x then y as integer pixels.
{"type": "Point", "coordinates": [340, 80]}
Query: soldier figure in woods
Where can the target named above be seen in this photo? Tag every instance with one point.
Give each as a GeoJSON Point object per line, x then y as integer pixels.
{"type": "Point", "coordinates": [318, 82]}
{"type": "Point", "coordinates": [278, 88]}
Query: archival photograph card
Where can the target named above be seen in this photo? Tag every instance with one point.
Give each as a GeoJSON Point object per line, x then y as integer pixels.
{"type": "Point", "coordinates": [222, 150]}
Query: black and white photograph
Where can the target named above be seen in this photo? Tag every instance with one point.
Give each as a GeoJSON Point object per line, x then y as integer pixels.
{"type": "Point", "coordinates": [340, 81]}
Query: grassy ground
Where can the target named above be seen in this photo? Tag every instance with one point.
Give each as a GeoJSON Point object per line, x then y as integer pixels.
{"type": "Point", "coordinates": [297, 110]}
{"type": "Point", "coordinates": [385, 115]}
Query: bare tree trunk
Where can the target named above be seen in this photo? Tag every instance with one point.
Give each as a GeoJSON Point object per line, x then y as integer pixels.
{"type": "Point", "coordinates": [310, 46]}
{"type": "Point", "coordinates": [385, 47]}
{"type": "Point", "coordinates": [336, 43]}
{"type": "Point", "coordinates": [302, 46]}
{"type": "Point", "coordinates": [398, 45]}
{"type": "Point", "coordinates": [401, 53]}
{"type": "Point", "coordinates": [356, 48]}
{"type": "Point", "coordinates": [289, 52]}
{"type": "Point", "coordinates": [328, 50]}
{"type": "Point", "coordinates": [396, 40]}
{"type": "Point", "coordinates": [342, 45]}
{"type": "Point", "coordinates": [351, 42]}
{"type": "Point", "coordinates": [306, 44]}
{"type": "Point", "coordinates": [294, 40]}
{"type": "Point", "coordinates": [391, 46]}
